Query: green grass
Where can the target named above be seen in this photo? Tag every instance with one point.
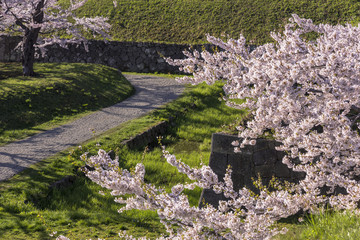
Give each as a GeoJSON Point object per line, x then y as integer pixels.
{"type": "Point", "coordinates": [30, 210]}
{"type": "Point", "coordinates": [185, 21]}
{"type": "Point", "coordinates": [333, 225]}
{"type": "Point", "coordinates": [336, 225]}
{"type": "Point", "coordinates": [58, 94]}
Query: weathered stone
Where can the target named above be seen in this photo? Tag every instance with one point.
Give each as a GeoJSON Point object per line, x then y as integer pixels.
{"type": "Point", "coordinates": [140, 66]}
{"type": "Point", "coordinates": [218, 162]}
{"type": "Point", "coordinates": [160, 60]}
{"type": "Point", "coordinates": [264, 171]}
{"type": "Point", "coordinates": [282, 171]}
{"type": "Point", "coordinates": [13, 57]}
{"type": "Point", "coordinates": [271, 144]}
{"type": "Point", "coordinates": [222, 143]}
{"type": "Point", "coordinates": [147, 137]}
{"type": "Point", "coordinates": [246, 165]}
{"type": "Point", "coordinates": [297, 176]}
{"type": "Point", "coordinates": [239, 163]}
{"type": "Point", "coordinates": [112, 155]}
{"type": "Point", "coordinates": [124, 57]}
{"type": "Point", "coordinates": [260, 158]}
{"type": "Point", "coordinates": [64, 182]}
{"type": "Point", "coordinates": [238, 181]}
{"type": "Point", "coordinates": [280, 155]}
{"type": "Point", "coordinates": [2, 48]}
{"type": "Point", "coordinates": [147, 51]}
{"type": "Point", "coordinates": [112, 62]}
{"type": "Point", "coordinates": [261, 144]}
{"type": "Point", "coordinates": [210, 197]}
{"type": "Point", "coordinates": [128, 56]}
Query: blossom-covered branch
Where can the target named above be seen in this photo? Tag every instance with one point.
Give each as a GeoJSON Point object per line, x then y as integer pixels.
{"type": "Point", "coordinates": [249, 218]}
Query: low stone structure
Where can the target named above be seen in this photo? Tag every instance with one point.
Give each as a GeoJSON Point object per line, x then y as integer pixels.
{"type": "Point", "coordinates": [125, 56]}
{"type": "Point", "coordinates": [261, 159]}
{"type": "Point", "coordinates": [147, 137]}
{"type": "Point", "coordinates": [7, 49]}
{"type": "Point", "coordinates": [63, 183]}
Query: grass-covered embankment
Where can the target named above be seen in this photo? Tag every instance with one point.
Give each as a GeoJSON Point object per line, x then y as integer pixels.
{"type": "Point", "coordinates": [29, 210]}
{"type": "Point", "coordinates": [59, 93]}
{"type": "Point", "coordinates": [185, 21]}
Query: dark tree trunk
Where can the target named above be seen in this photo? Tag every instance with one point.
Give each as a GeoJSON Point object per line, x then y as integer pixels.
{"type": "Point", "coordinates": [29, 40]}
{"type": "Point", "coordinates": [28, 53]}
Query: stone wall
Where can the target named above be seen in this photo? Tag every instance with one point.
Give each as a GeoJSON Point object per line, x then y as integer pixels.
{"type": "Point", "coordinates": [147, 137]}
{"type": "Point", "coordinates": [126, 56]}
{"type": "Point", "coordinates": [261, 159]}
{"type": "Point", "coordinates": [7, 52]}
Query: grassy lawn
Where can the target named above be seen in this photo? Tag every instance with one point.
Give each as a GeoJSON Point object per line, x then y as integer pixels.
{"type": "Point", "coordinates": [60, 93]}
{"type": "Point", "coordinates": [185, 21]}
{"type": "Point", "coordinates": [327, 225]}
{"type": "Point", "coordinates": [30, 210]}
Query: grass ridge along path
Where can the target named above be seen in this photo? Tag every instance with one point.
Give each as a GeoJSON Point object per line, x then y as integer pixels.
{"type": "Point", "coordinates": [151, 93]}
{"type": "Point", "coordinates": [58, 94]}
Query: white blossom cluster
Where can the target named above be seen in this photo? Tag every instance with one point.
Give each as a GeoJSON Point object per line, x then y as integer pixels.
{"type": "Point", "coordinates": [244, 216]}
{"type": "Point", "coordinates": [304, 88]}
{"type": "Point", "coordinates": [24, 15]}
{"type": "Point", "coordinates": [306, 92]}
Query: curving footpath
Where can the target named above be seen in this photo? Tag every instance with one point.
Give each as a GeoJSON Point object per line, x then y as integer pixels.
{"type": "Point", "coordinates": [151, 93]}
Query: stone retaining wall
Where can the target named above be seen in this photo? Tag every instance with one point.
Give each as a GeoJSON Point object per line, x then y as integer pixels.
{"type": "Point", "coordinates": [261, 159]}
{"type": "Point", "coordinates": [7, 52]}
{"type": "Point", "coordinates": [125, 56]}
{"type": "Point", "coordinates": [147, 137]}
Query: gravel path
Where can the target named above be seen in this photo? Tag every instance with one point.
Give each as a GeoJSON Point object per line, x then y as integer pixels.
{"type": "Point", "coordinates": [151, 93]}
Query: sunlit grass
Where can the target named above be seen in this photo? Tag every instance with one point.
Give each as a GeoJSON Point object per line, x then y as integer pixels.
{"type": "Point", "coordinates": [60, 92]}
{"type": "Point", "coordinates": [338, 225]}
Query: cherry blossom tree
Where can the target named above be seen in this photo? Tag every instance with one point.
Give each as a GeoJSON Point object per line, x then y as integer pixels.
{"type": "Point", "coordinates": [46, 17]}
{"type": "Point", "coordinates": [306, 92]}
{"type": "Point", "coordinates": [303, 90]}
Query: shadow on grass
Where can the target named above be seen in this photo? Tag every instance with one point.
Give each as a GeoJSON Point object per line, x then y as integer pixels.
{"type": "Point", "coordinates": [61, 91]}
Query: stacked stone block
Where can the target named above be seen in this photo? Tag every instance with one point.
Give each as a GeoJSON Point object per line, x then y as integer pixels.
{"type": "Point", "coordinates": [125, 56]}
{"type": "Point", "coordinates": [147, 137]}
{"type": "Point", "coordinates": [259, 160]}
